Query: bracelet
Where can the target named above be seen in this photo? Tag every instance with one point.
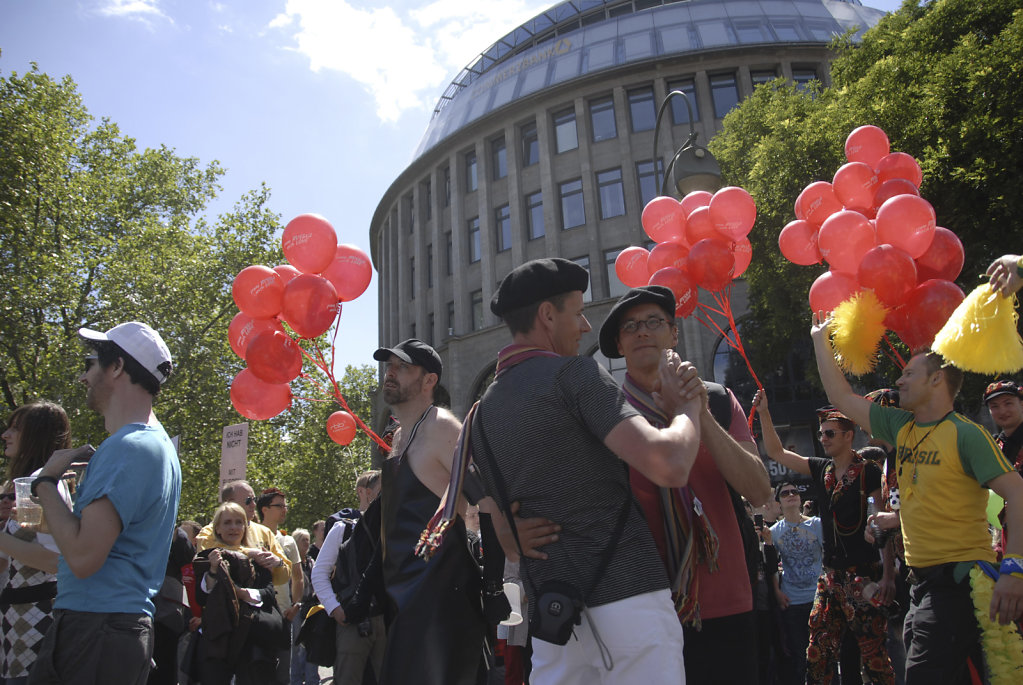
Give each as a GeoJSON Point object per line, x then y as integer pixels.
{"type": "Point", "coordinates": [41, 479]}
{"type": "Point", "coordinates": [1019, 266]}
{"type": "Point", "coordinates": [1012, 564]}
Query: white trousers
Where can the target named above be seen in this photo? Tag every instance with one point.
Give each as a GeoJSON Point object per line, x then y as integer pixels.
{"type": "Point", "coordinates": [642, 635]}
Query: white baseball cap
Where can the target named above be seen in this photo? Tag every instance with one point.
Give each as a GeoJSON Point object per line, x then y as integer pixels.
{"type": "Point", "coordinates": [141, 342]}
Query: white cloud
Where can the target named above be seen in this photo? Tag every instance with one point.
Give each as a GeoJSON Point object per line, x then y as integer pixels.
{"type": "Point", "coordinates": [141, 10]}
{"type": "Point", "coordinates": [403, 58]}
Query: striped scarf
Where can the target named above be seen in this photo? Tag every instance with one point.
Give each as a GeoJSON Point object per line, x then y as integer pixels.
{"type": "Point", "coordinates": [431, 538]}
{"type": "Point", "coordinates": [689, 536]}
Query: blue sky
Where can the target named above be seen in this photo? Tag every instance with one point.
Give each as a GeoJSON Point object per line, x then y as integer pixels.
{"type": "Point", "coordinates": [323, 100]}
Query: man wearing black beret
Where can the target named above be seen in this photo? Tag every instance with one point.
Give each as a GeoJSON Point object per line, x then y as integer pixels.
{"type": "Point", "coordinates": [551, 433]}
{"type": "Point", "coordinates": [716, 608]}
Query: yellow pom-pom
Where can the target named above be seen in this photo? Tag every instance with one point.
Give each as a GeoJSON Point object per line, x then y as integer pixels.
{"type": "Point", "coordinates": [981, 334]}
{"type": "Point", "coordinates": [856, 329]}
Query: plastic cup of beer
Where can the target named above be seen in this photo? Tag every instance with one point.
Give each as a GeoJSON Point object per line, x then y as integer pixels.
{"type": "Point", "coordinates": [30, 512]}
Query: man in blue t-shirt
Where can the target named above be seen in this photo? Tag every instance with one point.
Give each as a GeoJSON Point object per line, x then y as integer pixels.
{"type": "Point", "coordinates": [114, 543]}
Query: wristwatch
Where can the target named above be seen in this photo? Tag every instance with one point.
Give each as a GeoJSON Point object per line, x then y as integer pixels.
{"type": "Point", "coordinates": [42, 479]}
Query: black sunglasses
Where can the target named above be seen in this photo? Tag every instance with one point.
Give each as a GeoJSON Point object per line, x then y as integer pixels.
{"type": "Point", "coordinates": [250, 500]}
{"type": "Point", "coordinates": [788, 493]}
{"type": "Point", "coordinates": [829, 434]}
{"type": "Point", "coordinates": [9, 496]}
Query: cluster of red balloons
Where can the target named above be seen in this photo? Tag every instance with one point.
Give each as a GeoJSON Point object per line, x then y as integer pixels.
{"type": "Point", "coordinates": [701, 242]}
{"type": "Point", "coordinates": [306, 295]}
{"type": "Point", "coordinates": [876, 233]}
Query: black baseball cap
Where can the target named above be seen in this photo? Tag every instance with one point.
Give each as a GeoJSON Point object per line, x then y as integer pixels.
{"type": "Point", "coordinates": [538, 280]}
{"type": "Point", "coordinates": [1002, 387]}
{"type": "Point", "coordinates": [413, 351]}
{"type": "Point", "coordinates": [653, 294]}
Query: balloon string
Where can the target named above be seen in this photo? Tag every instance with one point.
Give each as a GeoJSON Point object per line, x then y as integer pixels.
{"type": "Point", "coordinates": [321, 363]}
{"type": "Point", "coordinates": [899, 361]}
{"type": "Point", "coordinates": [723, 300]}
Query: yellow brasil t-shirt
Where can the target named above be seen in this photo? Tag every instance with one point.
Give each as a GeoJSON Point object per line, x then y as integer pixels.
{"type": "Point", "coordinates": [943, 467]}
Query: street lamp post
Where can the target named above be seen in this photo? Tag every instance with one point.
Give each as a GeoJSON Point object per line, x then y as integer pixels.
{"type": "Point", "coordinates": [692, 167]}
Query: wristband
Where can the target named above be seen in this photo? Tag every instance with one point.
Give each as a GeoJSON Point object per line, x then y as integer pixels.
{"type": "Point", "coordinates": [1019, 266]}
{"type": "Point", "coordinates": [41, 479]}
{"type": "Point", "coordinates": [1013, 565]}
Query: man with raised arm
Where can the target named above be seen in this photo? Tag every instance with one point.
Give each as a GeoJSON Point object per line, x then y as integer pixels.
{"type": "Point", "coordinates": [555, 433]}
{"type": "Point", "coordinates": [945, 464]}
{"type": "Point", "coordinates": [841, 485]}
{"type": "Point", "coordinates": [715, 606]}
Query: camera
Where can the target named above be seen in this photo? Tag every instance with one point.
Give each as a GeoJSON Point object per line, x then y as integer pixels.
{"type": "Point", "coordinates": [558, 609]}
{"type": "Point", "coordinates": [758, 520]}
{"type": "Point", "coordinates": [365, 628]}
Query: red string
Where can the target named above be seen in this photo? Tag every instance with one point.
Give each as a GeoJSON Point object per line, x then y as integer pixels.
{"type": "Point", "coordinates": [899, 361]}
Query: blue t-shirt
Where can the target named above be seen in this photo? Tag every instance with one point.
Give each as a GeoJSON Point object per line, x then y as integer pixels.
{"type": "Point", "coordinates": [801, 548]}
{"type": "Point", "coordinates": [137, 469]}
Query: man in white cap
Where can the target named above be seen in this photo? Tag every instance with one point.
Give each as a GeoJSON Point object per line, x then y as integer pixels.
{"type": "Point", "coordinates": [114, 543]}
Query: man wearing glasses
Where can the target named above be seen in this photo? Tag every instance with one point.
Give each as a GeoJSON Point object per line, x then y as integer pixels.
{"type": "Point", "coordinates": [114, 544]}
{"type": "Point", "coordinates": [240, 492]}
{"type": "Point", "coordinates": [273, 510]}
{"type": "Point", "coordinates": [841, 484]}
{"type": "Point", "coordinates": [715, 606]}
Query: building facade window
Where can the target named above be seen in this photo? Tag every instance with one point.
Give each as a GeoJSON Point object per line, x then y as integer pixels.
{"type": "Point", "coordinates": [584, 262]}
{"type": "Point", "coordinates": [530, 144]}
{"type": "Point", "coordinates": [429, 265]}
{"type": "Point", "coordinates": [602, 119]}
{"type": "Point", "coordinates": [642, 109]}
{"type": "Point", "coordinates": [565, 137]}
{"type": "Point", "coordinates": [447, 186]}
{"type": "Point", "coordinates": [499, 156]}
{"type": "Point", "coordinates": [471, 179]}
{"type": "Point", "coordinates": [477, 310]}
{"type": "Point", "coordinates": [679, 112]}
{"type": "Point", "coordinates": [410, 207]}
{"type": "Point", "coordinates": [725, 94]}
{"type": "Point", "coordinates": [430, 319]}
{"type": "Point", "coordinates": [615, 288]}
{"type": "Point", "coordinates": [802, 77]}
{"type": "Point", "coordinates": [449, 253]}
{"type": "Point", "coordinates": [474, 240]}
{"type": "Point", "coordinates": [502, 227]}
{"type": "Point", "coordinates": [451, 317]}
{"type": "Point", "coordinates": [649, 182]}
{"type": "Point", "coordinates": [534, 215]}
{"type": "Point", "coordinates": [611, 193]}
{"type": "Point", "coordinates": [428, 195]}
{"type": "Point", "coordinates": [762, 76]}
{"type": "Point", "coordinates": [573, 213]}
{"type": "Point", "coordinates": [412, 278]}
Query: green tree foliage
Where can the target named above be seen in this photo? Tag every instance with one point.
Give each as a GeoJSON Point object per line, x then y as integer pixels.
{"type": "Point", "coordinates": [97, 232]}
{"type": "Point", "coordinates": [941, 80]}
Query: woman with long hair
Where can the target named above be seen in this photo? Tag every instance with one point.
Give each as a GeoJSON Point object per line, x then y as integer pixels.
{"type": "Point", "coordinates": [242, 627]}
{"type": "Point", "coordinates": [34, 431]}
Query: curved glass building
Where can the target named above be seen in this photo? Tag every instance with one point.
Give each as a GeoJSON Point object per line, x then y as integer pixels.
{"type": "Point", "coordinates": [543, 146]}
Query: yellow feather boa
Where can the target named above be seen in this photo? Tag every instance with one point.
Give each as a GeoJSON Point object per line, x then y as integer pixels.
{"type": "Point", "coordinates": [981, 334]}
{"type": "Point", "coordinates": [857, 326]}
{"type": "Point", "coordinates": [1003, 645]}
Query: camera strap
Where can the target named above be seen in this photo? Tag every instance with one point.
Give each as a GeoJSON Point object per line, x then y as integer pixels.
{"type": "Point", "coordinates": [502, 492]}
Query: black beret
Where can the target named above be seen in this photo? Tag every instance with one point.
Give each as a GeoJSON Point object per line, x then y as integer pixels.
{"type": "Point", "coordinates": [414, 352]}
{"type": "Point", "coordinates": [538, 280]}
{"type": "Point", "coordinates": [653, 294]}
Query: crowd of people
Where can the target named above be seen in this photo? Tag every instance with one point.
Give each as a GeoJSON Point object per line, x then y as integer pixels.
{"type": "Point", "coordinates": [636, 524]}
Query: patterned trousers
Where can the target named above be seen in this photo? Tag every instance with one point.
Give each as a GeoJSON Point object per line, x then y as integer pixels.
{"type": "Point", "coordinates": [838, 607]}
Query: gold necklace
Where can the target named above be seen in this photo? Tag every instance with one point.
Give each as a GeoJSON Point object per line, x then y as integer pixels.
{"type": "Point", "coordinates": [912, 453]}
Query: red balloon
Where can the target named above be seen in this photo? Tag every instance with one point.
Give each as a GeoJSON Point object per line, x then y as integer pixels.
{"type": "Point", "coordinates": [900, 165]}
{"type": "Point", "coordinates": [855, 185]}
{"type": "Point", "coordinates": [830, 290]}
{"type": "Point", "coordinates": [257, 290]}
{"type": "Point", "coordinates": [711, 264]}
{"type": "Point", "coordinates": [743, 254]}
{"type": "Point", "coordinates": [663, 219]}
{"type": "Point", "coordinates": [733, 212]}
{"type": "Point", "coordinates": [699, 226]}
{"type": "Point", "coordinates": [286, 272]}
{"type": "Point", "coordinates": [798, 243]}
{"type": "Point", "coordinates": [944, 259]}
{"type": "Point", "coordinates": [695, 200]}
{"type": "Point", "coordinates": [926, 309]}
{"type": "Point", "coordinates": [889, 272]}
{"type": "Point", "coordinates": [907, 222]}
{"type": "Point", "coordinates": [667, 254]}
{"type": "Point", "coordinates": [257, 400]}
{"type": "Point", "coordinates": [893, 187]}
{"type": "Point", "coordinates": [349, 273]}
{"type": "Point", "coordinates": [309, 242]}
{"type": "Point", "coordinates": [818, 202]}
{"type": "Point", "coordinates": [681, 286]}
{"type": "Point", "coordinates": [310, 305]}
{"type": "Point", "coordinates": [274, 357]}
{"type": "Point", "coordinates": [341, 427]}
{"type": "Point", "coordinates": [631, 266]}
{"type": "Point", "coordinates": [867, 144]}
{"type": "Point", "coordinates": [244, 328]}
{"type": "Point", "coordinates": [843, 240]}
